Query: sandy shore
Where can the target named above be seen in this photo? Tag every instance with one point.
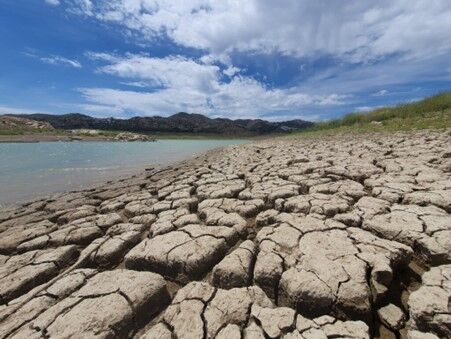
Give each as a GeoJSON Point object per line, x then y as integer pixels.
{"type": "Point", "coordinates": [345, 236]}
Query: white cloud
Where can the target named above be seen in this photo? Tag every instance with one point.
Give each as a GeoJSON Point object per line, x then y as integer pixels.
{"type": "Point", "coordinates": [101, 56]}
{"type": "Point", "coordinates": [182, 84]}
{"type": "Point", "coordinates": [59, 60]}
{"type": "Point", "coordinates": [354, 31]}
{"type": "Point", "coordinates": [381, 93]}
{"type": "Point", "coordinates": [81, 7]}
{"type": "Point", "coordinates": [367, 46]}
{"type": "Point", "coordinates": [52, 2]}
{"type": "Point", "coordinates": [171, 71]}
{"type": "Point", "coordinates": [140, 84]}
{"type": "Point", "coordinates": [15, 110]}
{"type": "Point", "coordinates": [53, 59]}
{"type": "Point", "coordinates": [231, 71]}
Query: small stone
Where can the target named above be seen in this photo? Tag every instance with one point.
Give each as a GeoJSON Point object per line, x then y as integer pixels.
{"type": "Point", "coordinates": [392, 317]}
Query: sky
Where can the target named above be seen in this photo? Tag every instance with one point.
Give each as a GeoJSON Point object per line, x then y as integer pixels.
{"type": "Point", "coordinates": [269, 59]}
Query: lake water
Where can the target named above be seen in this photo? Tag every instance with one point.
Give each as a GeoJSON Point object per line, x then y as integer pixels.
{"type": "Point", "coordinates": [31, 170]}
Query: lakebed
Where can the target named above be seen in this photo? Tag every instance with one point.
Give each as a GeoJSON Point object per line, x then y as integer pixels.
{"type": "Point", "coordinates": [342, 236]}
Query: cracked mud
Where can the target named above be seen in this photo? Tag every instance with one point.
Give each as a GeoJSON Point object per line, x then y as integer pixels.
{"type": "Point", "coordinates": [344, 236]}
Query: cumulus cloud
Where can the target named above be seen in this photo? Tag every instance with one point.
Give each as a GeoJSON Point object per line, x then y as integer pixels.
{"type": "Point", "coordinates": [356, 31]}
{"type": "Point", "coordinates": [171, 71]}
{"type": "Point", "coordinates": [367, 45]}
{"type": "Point", "coordinates": [182, 84]}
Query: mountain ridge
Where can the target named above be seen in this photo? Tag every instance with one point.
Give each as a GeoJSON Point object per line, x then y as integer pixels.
{"type": "Point", "coordinates": [180, 122]}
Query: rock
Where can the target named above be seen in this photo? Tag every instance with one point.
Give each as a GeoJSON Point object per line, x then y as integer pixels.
{"type": "Point", "coordinates": [345, 329]}
{"type": "Point", "coordinates": [439, 198]}
{"type": "Point", "coordinates": [77, 213]}
{"type": "Point", "coordinates": [318, 203]}
{"type": "Point", "coordinates": [202, 311]}
{"type": "Point", "coordinates": [11, 320]}
{"type": "Point", "coordinates": [136, 208]}
{"type": "Point", "coordinates": [198, 307]}
{"type": "Point", "coordinates": [112, 248]}
{"type": "Point", "coordinates": [127, 136]}
{"type": "Point", "coordinates": [420, 335]}
{"type": "Point", "coordinates": [184, 254]}
{"type": "Point", "coordinates": [80, 232]}
{"type": "Point", "coordinates": [428, 229]}
{"type": "Point", "coordinates": [14, 236]}
{"type": "Point", "coordinates": [270, 190]}
{"type": "Point", "coordinates": [429, 306]}
{"type": "Point", "coordinates": [247, 208]}
{"type": "Point", "coordinates": [172, 219]}
{"type": "Point", "coordinates": [109, 304]}
{"type": "Point", "coordinates": [274, 321]}
{"type": "Point", "coordinates": [223, 187]}
{"type": "Point", "coordinates": [23, 272]}
{"type": "Point", "coordinates": [267, 272]}
{"type": "Point", "coordinates": [231, 331]}
{"type": "Point", "coordinates": [253, 331]}
{"type": "Point", "coordinates": [344, 188]}
{"type": "Point", "coordinates": [392, 317]}
{"type": "Point", "coordinates": [144, 219]}
{"type": "Point", "coordinates": [160, 331]}
{"type": "Point", "coordinates": [319, 270]}
{"type": "Point", "coordinates": [235, 270]}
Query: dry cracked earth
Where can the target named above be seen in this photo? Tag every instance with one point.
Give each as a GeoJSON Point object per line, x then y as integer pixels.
{"type": "Point", "coordinates": [340, 237]}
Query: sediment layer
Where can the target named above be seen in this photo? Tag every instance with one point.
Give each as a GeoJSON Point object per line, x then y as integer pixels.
{"type": "Point", "coordinates": [343, 236]}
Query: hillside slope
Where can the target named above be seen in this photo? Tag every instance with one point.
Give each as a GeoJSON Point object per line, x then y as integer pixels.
{"type": "Point", "coordinates": [19, 125]}
{"type": "Point", "coordinates": [431, 112]}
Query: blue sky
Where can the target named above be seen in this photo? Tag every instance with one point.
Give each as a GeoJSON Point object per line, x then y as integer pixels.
{"type": "Point", "coordinates": [271, 59]}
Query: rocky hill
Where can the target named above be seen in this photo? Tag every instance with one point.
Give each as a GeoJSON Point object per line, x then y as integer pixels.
{"type": "Point", "coordinates": [177, 123]}
{"type": "Point", "coordinates": [13, 123]}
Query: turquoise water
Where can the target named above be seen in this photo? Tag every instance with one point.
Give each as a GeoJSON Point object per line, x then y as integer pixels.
{"type": "Point", "coordinates": [30, 170]}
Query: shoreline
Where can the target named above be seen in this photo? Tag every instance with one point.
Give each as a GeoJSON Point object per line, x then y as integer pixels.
{"type": "Point", "coordinates": [342, 237]}
{"type": "Point", "coordinates": [34, 138]}
{"type": "Point", "coordinates": [137, 171]}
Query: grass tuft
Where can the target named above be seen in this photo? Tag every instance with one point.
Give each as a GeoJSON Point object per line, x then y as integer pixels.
{"type": "Point", "coordinates": [433, 112]}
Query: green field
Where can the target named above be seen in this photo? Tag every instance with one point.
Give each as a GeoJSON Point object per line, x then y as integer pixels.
{"type": "Point", "coordinates": [431, 113]}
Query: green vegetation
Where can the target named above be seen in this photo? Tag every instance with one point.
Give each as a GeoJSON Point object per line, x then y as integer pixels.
{"type": "Point", "coordinates": [433, 112]}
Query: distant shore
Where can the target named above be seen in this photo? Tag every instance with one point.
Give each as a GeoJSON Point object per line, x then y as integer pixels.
{"type": "Point", "coordinates": [31, 138]}
{"type": "Point", "coordinates": [48, 137]}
